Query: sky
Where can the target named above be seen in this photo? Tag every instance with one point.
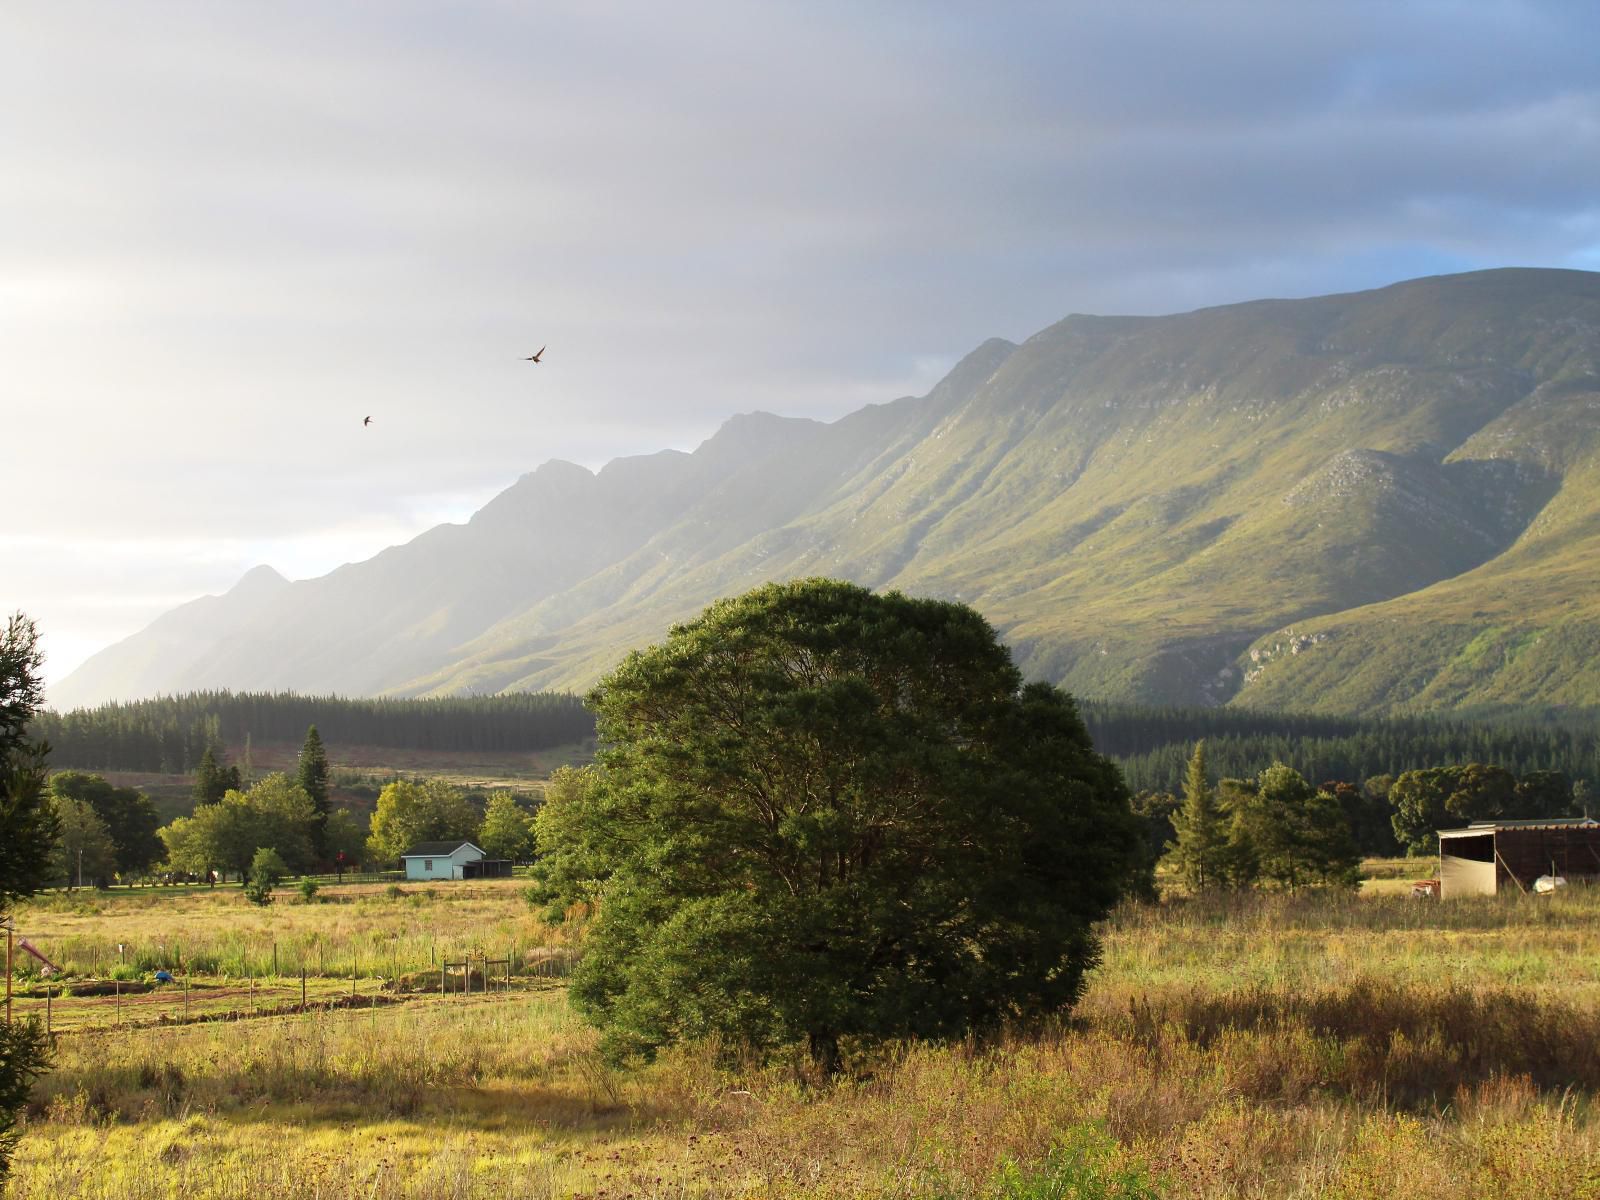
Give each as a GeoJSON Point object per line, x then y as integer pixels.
{"type": "Point", "coordinates": [229, 232]}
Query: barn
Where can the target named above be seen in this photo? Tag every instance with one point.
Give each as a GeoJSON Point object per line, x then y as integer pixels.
{"type": "Point", "coordinates": [1490, 856]}
{"type": "Point", "coordinates": [441, 860]}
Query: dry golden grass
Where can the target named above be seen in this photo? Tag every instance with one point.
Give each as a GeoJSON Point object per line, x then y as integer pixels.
{"type": "Point", "coordinates": [1274, 1047]}
{"type": "Point", "coordinates": [371, 929]}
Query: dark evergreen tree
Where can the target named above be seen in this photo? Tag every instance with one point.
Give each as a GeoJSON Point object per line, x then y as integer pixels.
{"type": "Point", "coordinates": [29, 830]}
{"type": "Point", "coordinates": [212, 780]}
{"type": "Point", "coordinates": [313, 776]}
{"type": "Point", "coordinates": [1199, 851]}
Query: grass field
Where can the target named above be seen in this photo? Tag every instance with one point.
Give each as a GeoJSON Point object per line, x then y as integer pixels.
{"type": "Point", "coordinates": [1353, 1046]}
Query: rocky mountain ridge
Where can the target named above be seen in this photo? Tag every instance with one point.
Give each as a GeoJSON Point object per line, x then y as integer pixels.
{"type": "Point", "coordinates": [1145, 507]}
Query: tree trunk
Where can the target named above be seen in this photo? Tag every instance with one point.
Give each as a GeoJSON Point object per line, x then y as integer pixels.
{"type": "Point", "coordinates": [825, 1053]}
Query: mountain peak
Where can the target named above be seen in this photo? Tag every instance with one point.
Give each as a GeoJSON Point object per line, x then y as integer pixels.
{"type": "Point", "coordinates": [756, 433]}
{"type": "Point", "coordinates": [258, 581]}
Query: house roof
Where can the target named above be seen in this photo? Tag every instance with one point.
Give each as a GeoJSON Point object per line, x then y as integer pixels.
{"type": "Point", "coordinates": [439, 849]}
{"type": "Point", "coordinates": [1482, 827]}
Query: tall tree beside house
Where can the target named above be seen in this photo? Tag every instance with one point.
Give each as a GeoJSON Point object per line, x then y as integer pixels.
{"type": "Point", "coordinates": [28, 832]}
{"type": "Point", "coordinates": [1419, 799]}
{"type": "Point", "coordinates": [313, 776]}
{"type": "Point", "coordinates": [1199, 854]}
{"type": "Point", "coordinates": [409, 812]}
{"type": "Point", "coordinates": [1544, 794]}
{"type": "Point", "coordinates": [507, 829]}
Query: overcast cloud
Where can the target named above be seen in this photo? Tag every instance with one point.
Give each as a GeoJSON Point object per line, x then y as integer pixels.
{"type": "Point", "coordinates": [230, 231]}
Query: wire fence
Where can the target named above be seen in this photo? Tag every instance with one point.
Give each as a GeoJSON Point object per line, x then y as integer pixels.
{"type": "Point", "coordinates": [65, 1004]}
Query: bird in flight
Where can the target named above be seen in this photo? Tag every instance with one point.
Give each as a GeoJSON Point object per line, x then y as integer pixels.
{"type": "Point", "coordinates": [367, 421]}
{"type": "Point", "coordinates": [535, 357]}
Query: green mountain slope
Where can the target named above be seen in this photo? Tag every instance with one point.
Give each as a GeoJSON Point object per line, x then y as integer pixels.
{"type": "Point", "coordinates": [1373, 501]}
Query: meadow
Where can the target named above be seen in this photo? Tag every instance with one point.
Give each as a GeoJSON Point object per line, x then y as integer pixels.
{"type": "Point", "coordinates": [1263, 1046]}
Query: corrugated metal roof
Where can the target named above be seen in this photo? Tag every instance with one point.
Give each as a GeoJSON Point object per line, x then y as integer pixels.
{"type": "Point", "coordinates": [437, 849]}
{"type": "Point", "coordinates": [1482, 827]}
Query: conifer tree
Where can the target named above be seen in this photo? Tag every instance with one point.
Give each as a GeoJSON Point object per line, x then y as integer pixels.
{"type": "Point", "coordinates": [29, 829]}
{"type": "Point", "coordinates": [210, 782]}
{"type": "Point", "coordinates": [313, 776]}
{"type": "Point", "coordinates": [1200, 852]}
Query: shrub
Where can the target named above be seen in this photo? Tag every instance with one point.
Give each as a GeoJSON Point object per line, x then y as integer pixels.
{"type": "Point", "coordinates": [266, 869]}
{"type": "Point", "coordinates": [308, 890]}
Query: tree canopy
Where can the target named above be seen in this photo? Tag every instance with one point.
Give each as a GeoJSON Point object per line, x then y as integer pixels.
{"type": "Point", "coordinates": [129, 816]}
{"type": "Point", "coordinates": [409, 812]}
{"type": "Point", "coordinates": [507, 830]}
{"type": "Point", "coordinates": [823, 813]}
{"type": "Point", "coordinates": [275, 814]}
{"type": "Point", "coordinates": [84, 853]}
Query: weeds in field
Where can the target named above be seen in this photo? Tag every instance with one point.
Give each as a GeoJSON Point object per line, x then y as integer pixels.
{"type": "Point", "coordinates": [1189, 1071]}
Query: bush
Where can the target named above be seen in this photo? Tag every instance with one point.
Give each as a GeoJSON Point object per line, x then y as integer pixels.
{"type": "Point", "coordinates": [308, 890]}
{"type": "Point", "coordinates": [266, 869]}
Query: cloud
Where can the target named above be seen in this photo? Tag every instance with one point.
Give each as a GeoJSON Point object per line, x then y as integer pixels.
{"type": "Point", "coordinates": [229, 232]}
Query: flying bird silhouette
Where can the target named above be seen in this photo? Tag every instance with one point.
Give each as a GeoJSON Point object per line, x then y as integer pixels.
{"type": "Point", "coordinates": [535, 357]}
{"type": "Point", "coordinates": [368, 421]}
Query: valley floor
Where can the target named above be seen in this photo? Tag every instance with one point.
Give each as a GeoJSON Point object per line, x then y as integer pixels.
{"type": "Point", "coordinates": [1273, 1046]}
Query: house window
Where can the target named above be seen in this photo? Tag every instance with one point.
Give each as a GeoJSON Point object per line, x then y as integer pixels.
{"type": "Point", "coordinates": [427, 864]}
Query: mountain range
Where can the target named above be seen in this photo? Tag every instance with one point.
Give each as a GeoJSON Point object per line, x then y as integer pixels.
{"type": "Point", "coordinates": [1381, 501]}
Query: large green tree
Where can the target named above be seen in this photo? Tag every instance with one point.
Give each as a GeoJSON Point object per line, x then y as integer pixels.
{"type": "Point", "coordinates": [409, 812]}
{"type": "Point", "coordinates": [1297, 834]}
{"type": "Point", "coordinates": [275, 814]}
{"type": "Point", "coordinates": [84, 853]}
{"type": "Point", "coordinates": [130, 819]}
{"type": "Point", "coordinates": [1419, 800]}
{"type": "Point", "coordinates": [28, 832]}
{"type": "Point", "coordinates": [507, 830]}
{"type": "Point", "coordinates": [825, 814]}
{"type": "Point", "coordinates": [1444, 797]}
{"type": "Point", "coordinates": [312, 773]}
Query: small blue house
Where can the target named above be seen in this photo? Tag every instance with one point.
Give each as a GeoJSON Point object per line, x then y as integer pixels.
{"type": "Point", "coordinates": [441, 860]}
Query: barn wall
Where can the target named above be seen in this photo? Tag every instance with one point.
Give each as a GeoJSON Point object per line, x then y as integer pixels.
{"type": "Point", "coordinates": [1465, 877]}
{"type": "Point", "coordinates": [1529, 853]}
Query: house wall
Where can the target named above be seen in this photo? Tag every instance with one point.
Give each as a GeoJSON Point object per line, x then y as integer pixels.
{"type": "Point", "coordinates": [449, 867]}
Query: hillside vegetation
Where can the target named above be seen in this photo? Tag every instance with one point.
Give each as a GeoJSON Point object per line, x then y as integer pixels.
{"type": "Point", "coordinates": [1381, 501]}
